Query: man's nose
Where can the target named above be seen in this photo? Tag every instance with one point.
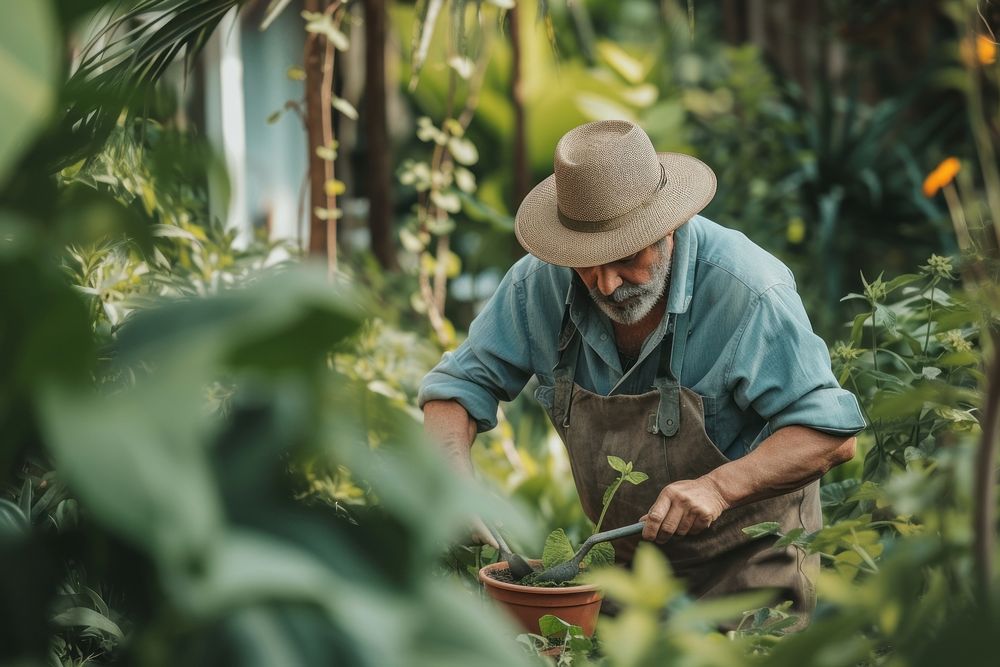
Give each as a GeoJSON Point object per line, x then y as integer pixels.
{"type": "Point", "coordinates": [608, 280]}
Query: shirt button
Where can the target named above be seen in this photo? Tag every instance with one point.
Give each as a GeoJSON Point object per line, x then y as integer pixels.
{"type": "Point", "coordinates": [604, 336]}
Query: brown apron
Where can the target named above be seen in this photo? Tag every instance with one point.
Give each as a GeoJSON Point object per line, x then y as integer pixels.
{"type": "Point", "coordinates": [663, 433]}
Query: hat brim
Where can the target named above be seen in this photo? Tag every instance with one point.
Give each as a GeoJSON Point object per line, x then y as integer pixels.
{"type": "Point", "coordinates": [689, 187]}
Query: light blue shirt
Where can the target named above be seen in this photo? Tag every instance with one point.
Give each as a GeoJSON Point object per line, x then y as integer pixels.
{"type": "Point", "coordinates": [751, 352]}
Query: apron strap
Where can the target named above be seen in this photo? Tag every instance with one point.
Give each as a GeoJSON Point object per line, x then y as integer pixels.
{"type": "Point", "coordinates": [667, 419]}
{"type": "Point", "coordinates": [680, 332]}
{"type": "Point", "coordinates": [564, 371]}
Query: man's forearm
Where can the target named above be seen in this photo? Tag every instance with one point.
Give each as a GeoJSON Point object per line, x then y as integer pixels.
{"type": "Point", "coordinates": [448, 423]}
{"type": "Point", "coordinates": [791, 458]}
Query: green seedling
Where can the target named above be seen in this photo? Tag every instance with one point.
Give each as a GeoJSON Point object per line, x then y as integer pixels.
{"type": "Point", "coordinates": [558, 548]}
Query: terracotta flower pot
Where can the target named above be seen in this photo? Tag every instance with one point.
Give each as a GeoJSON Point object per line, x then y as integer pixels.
{"type": "Point", "coordinates": [578, 605]}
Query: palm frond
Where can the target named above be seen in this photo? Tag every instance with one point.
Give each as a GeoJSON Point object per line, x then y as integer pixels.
{"type": "Point", "coordinates": [128, 54]}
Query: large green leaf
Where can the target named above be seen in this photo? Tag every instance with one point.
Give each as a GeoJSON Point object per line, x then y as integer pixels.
{"type": "Point", "coordinates": [89, 620]}
{"type": "Point", "coordinates": [137, 462]}
{"type": "Point", "coordinates": [413, 481]}
{"type": "Point", "coordinates": [558, 549]}
{"type": "Point", "coordinates": [12, 520]}
{"type": "Point", "coordinates": [286, 320]}
{"type": "Point", "coordinates": [44, 331]}
{"type": "Point", "coordinates": [430, 623]}
{"type": "Point", "coordinates": [705, 613]}
{"type": "Point", "coordinates": [553, 625]}
{"type": "Point", "coordinates": [29, 55]}
{"type": "Point", "coordinates": [837, 493]}
{"type": "Point", "coordinates": [129, 51]}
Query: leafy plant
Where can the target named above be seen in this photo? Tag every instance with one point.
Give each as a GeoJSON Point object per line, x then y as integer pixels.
{"type": "Point", "coordinates": [912, 358]}
{"type": "Point", "coordinates": [625, 474]}
{"type": "Point", "coordinates": [566, 640]}
{"type": "Point", "coordinates": [558, 548]}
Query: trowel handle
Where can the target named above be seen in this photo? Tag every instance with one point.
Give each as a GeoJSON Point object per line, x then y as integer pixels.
{"type": "Point", "coordinates": [615, 533]}
{"type": "Point", "coordinates": [504, 549]}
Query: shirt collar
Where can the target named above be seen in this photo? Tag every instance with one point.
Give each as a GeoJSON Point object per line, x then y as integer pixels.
{"type": "Point", "coordinates": [683, 264]}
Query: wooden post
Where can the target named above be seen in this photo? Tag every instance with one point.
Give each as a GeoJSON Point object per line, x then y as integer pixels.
{"type": "Point", "coordinates": [378, 158]}
{"type": "Point", "coordinates": [313, 60]}
{"type": "Point", "coordinates": [521, 181]}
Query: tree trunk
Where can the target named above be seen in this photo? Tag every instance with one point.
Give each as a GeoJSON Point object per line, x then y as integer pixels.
{"type": "Point", "coordinates": [521, 183]}
{"type": "Point", "coordinates": [734, 21]}
{"type": "Point", "coordinates": [313, 60]}
{"type": "Point", "coordinates": [378, 171]}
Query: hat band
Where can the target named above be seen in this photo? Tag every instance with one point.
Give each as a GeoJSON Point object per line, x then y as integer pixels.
{"type": "Point", "coordinates": [610, 224]}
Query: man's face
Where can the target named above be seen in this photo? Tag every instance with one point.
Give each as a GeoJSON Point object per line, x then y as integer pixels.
{"type": "Point", "coordinates": [628, 289]}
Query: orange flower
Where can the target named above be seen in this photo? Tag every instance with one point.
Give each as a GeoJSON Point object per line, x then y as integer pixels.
{"type": "Point", "coordinates": [984, 51]}
{"type": "Point", "coordinates": [942, 175]}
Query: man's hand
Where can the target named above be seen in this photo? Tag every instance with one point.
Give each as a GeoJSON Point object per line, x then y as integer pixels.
{"type": "Point", "coordinates": [480, 534]}
{"type": "Point", "coordinates": [789, 459]}
{"type": "Point", "coordinates": [686, 507]}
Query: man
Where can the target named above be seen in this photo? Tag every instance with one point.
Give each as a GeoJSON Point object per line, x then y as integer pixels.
{"type": "Point", "coordinates": [667, 340]}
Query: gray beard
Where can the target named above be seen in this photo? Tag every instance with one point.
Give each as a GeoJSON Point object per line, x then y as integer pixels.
{"type": "Point", "coordinates": [630, 303]}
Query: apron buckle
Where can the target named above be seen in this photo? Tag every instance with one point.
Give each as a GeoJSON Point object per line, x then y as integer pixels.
{"type": "Point", "coordinates": [668, 412]}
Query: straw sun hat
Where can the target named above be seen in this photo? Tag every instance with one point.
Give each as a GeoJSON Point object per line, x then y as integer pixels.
{"type": "Point", "coordinates": [611, 195]}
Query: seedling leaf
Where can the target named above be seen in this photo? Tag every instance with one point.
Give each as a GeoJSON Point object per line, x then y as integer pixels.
{"type": "Point", "coordinates": [600, 554]}
{"type": "Point", "coordinates": [553, 625]}
{"type": "Point", "coordinates": [636, 477]}
{"type": "Point", "coordinates": [617, 463]}
{"type": "Point", "coordinates": [794, 536]}
{"type": "Point", "coordinates": [763, 529]}
{"type": "Point", "coordinates": [558, 549]}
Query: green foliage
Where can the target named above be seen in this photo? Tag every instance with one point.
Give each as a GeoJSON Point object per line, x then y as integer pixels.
{"type": "Point", "coordinates": [169, 245]}
{"type": "Point", "coordinates": [626, 474]}
{"type": "Point", "coordinates": [558, 548]}
{"type": "Point", "coordinates": [213, 456]}
{"type": "Point", "coordinates": [121, 65]}
{"type": "Point", "coordinates": [911, 358]}
{"type": "Point", "coordinates": [156, 470]}
{"type": "Point", "coordinates": [181, 469]}
{"type": "Point", "coordinates": [641, 634]}
{"type": "Point", "coordinates": [29, 53]}
{"type": "Point", "coordinates": [556, 635]}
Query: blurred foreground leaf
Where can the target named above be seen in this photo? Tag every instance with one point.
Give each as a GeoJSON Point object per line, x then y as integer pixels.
{"type": "Point", "coordinates": [29, 58]}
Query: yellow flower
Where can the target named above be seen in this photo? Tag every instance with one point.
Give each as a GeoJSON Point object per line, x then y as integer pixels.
{"type": "Point", "coordinates": [984, 51]}
{"type": "Point", "coordinates": [954, 340]}
{"type": "Point", "coordinates": [796, 231]}
{"type": "Point", "coordinates": [942, 175]}
{"type": "Point", "coordinates": [939, 267]}
{"type": "Point", "coordinates": [844, 353]}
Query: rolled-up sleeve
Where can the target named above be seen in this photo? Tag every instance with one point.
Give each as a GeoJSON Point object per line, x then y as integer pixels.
{"type": "Point", "coordinates": [781, 369]}
{"type": "Point", "coordinates": [492, 364]}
